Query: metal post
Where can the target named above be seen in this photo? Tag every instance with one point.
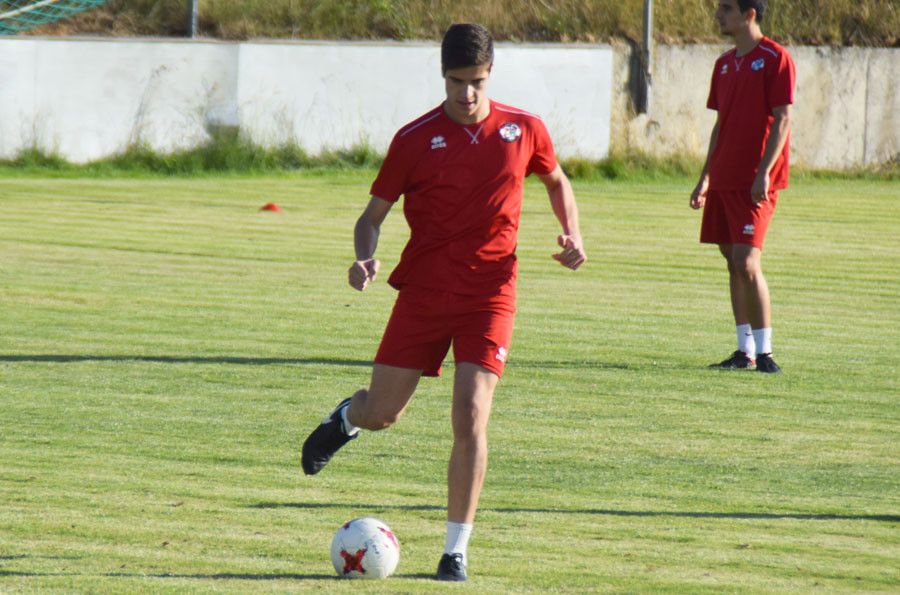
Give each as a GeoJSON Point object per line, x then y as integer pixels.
{"type": "Point", "coordinates": [647, 58]}
{"type": "Point", "coordinates": [193, 14]}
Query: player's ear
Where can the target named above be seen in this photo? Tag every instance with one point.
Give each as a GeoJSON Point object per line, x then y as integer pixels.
{"type": "Point", "coordinates": [750, 15]}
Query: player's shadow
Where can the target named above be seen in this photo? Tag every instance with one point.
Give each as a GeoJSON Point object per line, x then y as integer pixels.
{"type": "Point", "coordinates": [174, 359]}
{"type": "Point", "coordinates": [219, 576]}
{"type": "Point", "coordinates": [295, 361]}
{"type": "Point", "coordinates": [234, 576]}
{"type": "Point", "coordinates": [574, 365]}
{"type": "Point", "coordinates": [887, 518]}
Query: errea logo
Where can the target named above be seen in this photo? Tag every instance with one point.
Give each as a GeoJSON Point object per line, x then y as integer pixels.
{"type": "Point", "coordinates": [724, 69]}
{"type": "Point", "coordinates": [502, 353]}
{"type": "Point", "coordinates": [438, 142]}
{"type": "Point", "coordinates": [749, 229]}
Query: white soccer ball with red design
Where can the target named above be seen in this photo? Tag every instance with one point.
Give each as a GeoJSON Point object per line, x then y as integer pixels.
{"type": "Point", "coordinates": [365, 548]}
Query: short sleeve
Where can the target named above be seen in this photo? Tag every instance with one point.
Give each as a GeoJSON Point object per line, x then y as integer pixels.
{"type": "Point", "coordinates": [390, 182]}
{"type": "Point", "coordinates": [781, 82]}
{"type": "Point", "coordinates": [543, 160]}
{"type": "Point", "coordinates": [712, 102]}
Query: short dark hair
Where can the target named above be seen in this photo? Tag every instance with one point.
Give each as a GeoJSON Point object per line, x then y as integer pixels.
{"type": "Point", "coordinates": [466, 44]}
{"type": "Point", "coordinates": [758, 5]}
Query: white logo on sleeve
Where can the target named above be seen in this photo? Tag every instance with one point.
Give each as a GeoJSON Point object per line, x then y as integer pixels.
{"type": "Point", "coordinates": [758, 64]}
{"type": "Point", "coordinates": [438, 142]}
{"type": "Point", "coordinates": [501, 354]}
{"type": "Point", "coordinates": [749, 229]}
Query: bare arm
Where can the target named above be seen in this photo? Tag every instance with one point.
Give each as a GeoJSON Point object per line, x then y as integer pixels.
{"type": "Point", "coordinates": [562, 199]}
{"type": "Point", "coordinates": [778, 135]}
{"type": "Point", "coordinates": [698, 196]}
{"type": "Point", "coordinates": [365, 241]}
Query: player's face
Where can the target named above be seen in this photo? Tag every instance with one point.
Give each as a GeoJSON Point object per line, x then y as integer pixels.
{"type": "Point", "coordinates": [467, 100]}
{"type": "Point", "coordinates": [729, 16]}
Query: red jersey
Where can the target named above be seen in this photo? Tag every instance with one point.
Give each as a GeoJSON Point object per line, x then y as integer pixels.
{"type": "Point", "coordinates": [744, 90]}
{"type": "Point", "coordinates": [463, 196]}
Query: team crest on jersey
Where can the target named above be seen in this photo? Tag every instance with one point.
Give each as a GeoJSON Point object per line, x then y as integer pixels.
{"type": "Point", "coordinates": [438, 142]}
{"type": "Point", "coordinates": [758, 64]}
{"type": "Point", "coordinates": [510, 132]}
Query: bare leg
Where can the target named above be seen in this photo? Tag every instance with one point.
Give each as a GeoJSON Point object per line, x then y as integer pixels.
{"type": "Point", "coordinates": [750, 287]}
{"type": "Point", "coordinates": [386, 399]}
{"type": "Point", "coordinates": [473, 392]}
{"type": "Point", "coordinates": [373, 409]}
{"type": "Point", "coordinates": [736, 287]}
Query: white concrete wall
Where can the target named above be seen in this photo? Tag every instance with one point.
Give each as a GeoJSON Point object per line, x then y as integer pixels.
{"type": "Point", "coordinates": [87, 99]}
{"type": "Point", "coordinates": [846, 111]}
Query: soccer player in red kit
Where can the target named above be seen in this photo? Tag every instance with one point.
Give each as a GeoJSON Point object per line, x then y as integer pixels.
{"type": "Point", "coordinates": [461, 169]}
{"type": "Point", "coordinates": [747, 164]}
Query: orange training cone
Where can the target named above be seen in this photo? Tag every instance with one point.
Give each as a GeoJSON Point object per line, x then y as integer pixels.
{"type": "Point", "coordinates": [270, 206]}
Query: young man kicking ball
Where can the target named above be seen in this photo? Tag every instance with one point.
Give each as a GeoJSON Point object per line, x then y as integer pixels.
{"type": "Point", "coordinates": [747, 164]}
{"type": "Point", "coordinates": [461, 169]}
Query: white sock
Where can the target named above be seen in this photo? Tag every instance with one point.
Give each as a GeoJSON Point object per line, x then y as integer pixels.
{"type": "Point", "coordinates": [457, 541]}
{"type": "Point", "coordinates": [763, 339]}
{"type": "Point", "coordinates": [746, 339]}
{"type": "Point", "coordinates": [348, 428]}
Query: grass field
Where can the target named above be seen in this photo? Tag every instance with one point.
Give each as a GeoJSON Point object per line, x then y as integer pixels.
{"type": "Point", "coordinates": [165, 348]}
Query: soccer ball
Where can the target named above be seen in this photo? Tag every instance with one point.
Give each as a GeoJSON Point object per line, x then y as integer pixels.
{"type": "Point", "coordinates": [365, 548]}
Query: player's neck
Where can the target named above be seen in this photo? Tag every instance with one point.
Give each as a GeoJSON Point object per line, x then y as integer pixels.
{"type": "Point", "coordinates": [745, 41]}
{"type": "Point", "coordinates": [466, 119]}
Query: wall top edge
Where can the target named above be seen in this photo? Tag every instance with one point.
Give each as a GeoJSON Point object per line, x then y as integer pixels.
{"type": "Point", "coordinates": [411, 43]}
{"type": "Point", "coordinates": [266, 41]}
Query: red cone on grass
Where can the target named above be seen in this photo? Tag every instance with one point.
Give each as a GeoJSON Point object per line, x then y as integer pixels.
{"type": "Point", "coordinates": [270, 206]}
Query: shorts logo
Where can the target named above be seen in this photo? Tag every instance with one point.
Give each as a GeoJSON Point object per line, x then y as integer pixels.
{"type": "Point", "coordinates": [501, 354]}
{"type": "Point", "coordinates": [757, 64]}
{"type": "Point", "coordinates": [438, 142]}
{"type": "Point", "coordinates": [749, 229]}
{"type": "Point", "coordinates": [510, 132]}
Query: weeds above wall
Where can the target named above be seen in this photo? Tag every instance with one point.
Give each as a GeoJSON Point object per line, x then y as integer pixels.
{"type": "Point", "coordinates": [227, 152]}
{"type": "Point", "coordinates": [807, 22]}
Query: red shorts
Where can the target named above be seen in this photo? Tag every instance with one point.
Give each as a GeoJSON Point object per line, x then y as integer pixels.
{"type": "Point", "coordinates": [424, 322]}
{"type": "Point", "coordinates": [730, 217]}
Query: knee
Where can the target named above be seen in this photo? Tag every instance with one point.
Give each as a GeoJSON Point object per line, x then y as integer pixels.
{"type": "Point", "coordinates": [746, 268]}
{"type": "Point", "coordinates": [370, 416]}
{"type": "Point", "coordinates": [469, 426]}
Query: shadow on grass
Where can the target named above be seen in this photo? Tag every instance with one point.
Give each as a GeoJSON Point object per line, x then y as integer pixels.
{"type": "Point", "coordinates": [219, 576]}
{"type": "Point", "coordinates": [170, 359]}
{"type": "Point", "coordinates": [229, 576]}
{"type": "Point", "coordinates": [236, 576]}
{"type": "Point", "coordinates": [260, 577]}
{"type": "Point", "coordinates": [887, 518]}
{"type": "Point", "coordinates": [306, 361]}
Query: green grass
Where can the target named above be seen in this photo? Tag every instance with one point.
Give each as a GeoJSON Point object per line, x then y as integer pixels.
{"type": "Point", "coordinates": [829, 22]}
{"type": "Point", "coordinates": [226, 153]}
{"type": "Point", "coordinates": [165, 347]}
{"type": "Point", "coordinates": [229, 154]}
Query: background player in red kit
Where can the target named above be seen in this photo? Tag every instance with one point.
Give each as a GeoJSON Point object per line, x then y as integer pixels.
{"type": "Point", "coordinates": [461, 169]}
{"type": "Point", "coordinates": [752, 90]}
